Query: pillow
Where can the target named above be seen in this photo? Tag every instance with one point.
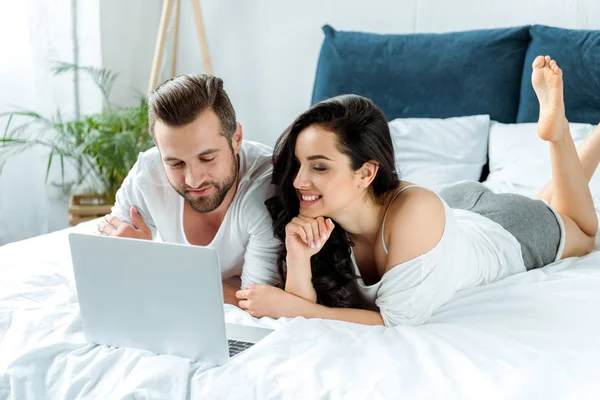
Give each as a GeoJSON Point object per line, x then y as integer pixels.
{"type": "Point", "coordinates": [578, 54]}
{"type": "Point", "coordinates": [438, 152]}
{"type": "Point", "coordinates": [426, 75]}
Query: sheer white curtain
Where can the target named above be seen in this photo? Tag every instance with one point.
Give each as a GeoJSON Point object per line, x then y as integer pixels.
{"type": "Point", "coordinates": [33, 35]}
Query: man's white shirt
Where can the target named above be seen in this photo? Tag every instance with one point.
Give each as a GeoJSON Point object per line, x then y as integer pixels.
{"type": "Point", "coordinates": [244, 241]}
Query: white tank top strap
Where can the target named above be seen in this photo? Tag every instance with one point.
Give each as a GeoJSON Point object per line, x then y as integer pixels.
{"type": "Point", "coordinates": [386, 213]}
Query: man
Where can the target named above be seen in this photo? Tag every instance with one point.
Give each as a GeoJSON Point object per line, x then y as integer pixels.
{"type": "Point", "coordinates": [201, 184]}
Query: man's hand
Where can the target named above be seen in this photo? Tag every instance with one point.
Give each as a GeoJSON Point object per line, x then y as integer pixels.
{"type": "Point", "coordinates": [113, 226]}
{"type": "Point", "coordinates": [264, 301]}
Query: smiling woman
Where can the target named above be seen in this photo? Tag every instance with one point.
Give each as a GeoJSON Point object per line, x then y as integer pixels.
{"type": "Point", "coordinates": [321, 180]}
{"type": "Point", "coordinates": [332, 179]}
{"type": "Point", "coordinates": [363, 246]}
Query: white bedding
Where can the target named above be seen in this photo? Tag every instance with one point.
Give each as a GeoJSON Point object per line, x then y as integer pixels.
{"type": "Point", "coordinates": [531, 336]}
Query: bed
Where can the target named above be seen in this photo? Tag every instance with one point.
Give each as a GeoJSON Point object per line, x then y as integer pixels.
{"type": "Point", "coordinates": [531, 335]}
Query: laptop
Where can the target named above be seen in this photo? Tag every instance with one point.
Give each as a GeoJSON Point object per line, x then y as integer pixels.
{"type": "Point", "coordinates": [162, 297]}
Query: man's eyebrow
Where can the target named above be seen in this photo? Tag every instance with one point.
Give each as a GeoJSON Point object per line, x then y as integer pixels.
{"type": "Point", "coordinates": [202, 154]}
{"type": "Point", "coordinates": [318, 157]}
{"type": "Point", "coordinates": [207, 152]}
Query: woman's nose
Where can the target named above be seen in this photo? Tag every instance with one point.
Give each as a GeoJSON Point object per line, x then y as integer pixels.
{"type": "Point", "coordinates": [300, 181]}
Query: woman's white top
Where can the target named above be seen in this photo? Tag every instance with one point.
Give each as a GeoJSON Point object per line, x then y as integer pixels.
{"type": "Point", "coordinates": [473, 250]}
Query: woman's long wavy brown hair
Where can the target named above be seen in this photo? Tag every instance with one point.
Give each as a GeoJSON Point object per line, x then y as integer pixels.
{"type": "Point", "coordinates": [363, 135]}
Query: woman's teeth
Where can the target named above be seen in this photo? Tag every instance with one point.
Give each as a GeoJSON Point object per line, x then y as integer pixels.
{"type": "Point", "coordinates": [309, 198]}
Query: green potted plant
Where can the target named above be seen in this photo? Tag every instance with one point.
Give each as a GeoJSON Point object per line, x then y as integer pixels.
{"type": "Point", "coordinates": [102, 147]}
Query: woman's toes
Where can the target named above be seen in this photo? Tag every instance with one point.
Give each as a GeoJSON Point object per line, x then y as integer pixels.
{"type": "Point", "coordinates": [538, 62]}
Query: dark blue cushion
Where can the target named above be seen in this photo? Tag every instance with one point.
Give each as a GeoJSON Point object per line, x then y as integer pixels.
{"type": "Point", "coordinates": [426, 75]}
{"type": "Point", "coordinates": [577, 52]}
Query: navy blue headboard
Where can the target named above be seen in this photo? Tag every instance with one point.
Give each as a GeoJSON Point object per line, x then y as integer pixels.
{"type": "Point", "coordinates": [460, 73]}
{"type": "Point", "coordinates": [426, 75]}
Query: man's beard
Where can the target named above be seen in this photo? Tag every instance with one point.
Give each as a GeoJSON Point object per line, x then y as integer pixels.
{"type": "Point", "coordinates": [206, 204]}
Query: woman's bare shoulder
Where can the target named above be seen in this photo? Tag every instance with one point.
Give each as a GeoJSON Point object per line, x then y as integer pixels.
{"type": "Point", "coordinates": [414, 225]}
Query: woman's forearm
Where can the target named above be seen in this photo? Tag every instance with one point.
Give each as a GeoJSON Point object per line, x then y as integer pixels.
{"type": "Point", "coordinates": [299, 280]}
{"type": "Point", "coordinates": [299, 307]}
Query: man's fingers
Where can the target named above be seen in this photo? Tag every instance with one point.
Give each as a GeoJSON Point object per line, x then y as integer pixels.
{"type": "Point", "coordinates": [241, 294]}
{"type": "Point", "coordinates": [136, 219]}
{"type": "Point", "coordinates": [105, 228]}
{"type": "Point", "coordinates": [113, 221]}
{"type": "Point", "coordinates": [244, 304]}
{"type": "Point", "coordinates": [113, 226]}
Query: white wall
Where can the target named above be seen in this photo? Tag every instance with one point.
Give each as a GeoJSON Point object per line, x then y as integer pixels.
{"type": "Point", "coordinates": [266, 50]}
{"type": "Point", "coordinates": [128, 34]}
{"type": "Point", "coordinates": [18, 90]}
{"type": "Point", "coordinates": [33, 35]}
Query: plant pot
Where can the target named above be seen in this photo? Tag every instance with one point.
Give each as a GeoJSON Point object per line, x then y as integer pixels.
{"type": "Point", "coordinates": [87, 206]}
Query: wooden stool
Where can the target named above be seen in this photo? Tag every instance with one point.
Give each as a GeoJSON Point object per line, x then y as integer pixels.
{"type": "Point", "coordinates": [83, 207]}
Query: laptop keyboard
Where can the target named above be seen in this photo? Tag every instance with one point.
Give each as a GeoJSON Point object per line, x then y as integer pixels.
{"type": "Point", "coordinates": [237, 346]}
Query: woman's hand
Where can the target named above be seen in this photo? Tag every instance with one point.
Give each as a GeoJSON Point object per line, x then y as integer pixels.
{"type": "Point", "coordinates": [304, 236]}
{"type": "Point", "coordinates": [264, 301]}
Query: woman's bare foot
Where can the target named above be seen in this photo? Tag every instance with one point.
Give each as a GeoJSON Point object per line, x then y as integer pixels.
{"type": "Point", "coordinates": [548, 85]}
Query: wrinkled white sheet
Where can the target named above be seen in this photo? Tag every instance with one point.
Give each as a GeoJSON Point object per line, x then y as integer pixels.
{"type": "Point", "coordinates": [531, 336]}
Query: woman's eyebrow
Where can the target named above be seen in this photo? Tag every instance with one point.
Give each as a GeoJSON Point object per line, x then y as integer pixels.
{"type": "Point", "coordinates": [318, 157]}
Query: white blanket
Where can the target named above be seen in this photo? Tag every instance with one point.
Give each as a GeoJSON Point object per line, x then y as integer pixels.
{"type": "Point", "coordinates": [531, 336]}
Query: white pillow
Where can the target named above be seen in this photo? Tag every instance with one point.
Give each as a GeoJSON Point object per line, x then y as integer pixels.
{"type": "Point", "coordinates": [437, 152]}
{"type": "Point", "coordinates": [520, 160]}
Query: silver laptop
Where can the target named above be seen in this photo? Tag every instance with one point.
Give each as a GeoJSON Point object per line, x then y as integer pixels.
{"type": "Point", "coordinates": [162, 297]}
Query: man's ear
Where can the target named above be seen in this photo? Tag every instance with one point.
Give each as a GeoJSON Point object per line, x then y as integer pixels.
{"type": "Point", "coordinates": [367, 173]}
{"type": "Point", "coordinates": [236, 139]}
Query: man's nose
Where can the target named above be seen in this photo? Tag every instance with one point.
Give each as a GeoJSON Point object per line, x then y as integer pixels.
{"type": "Point", "coordinates": [194, 176]}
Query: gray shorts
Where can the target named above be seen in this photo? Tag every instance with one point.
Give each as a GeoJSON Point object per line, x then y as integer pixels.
{"type": "Point", "coordinates": [535, 225]}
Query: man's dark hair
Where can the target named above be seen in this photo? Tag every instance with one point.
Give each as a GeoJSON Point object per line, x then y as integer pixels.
{"type": "Point", "coordinates": [179, 100]}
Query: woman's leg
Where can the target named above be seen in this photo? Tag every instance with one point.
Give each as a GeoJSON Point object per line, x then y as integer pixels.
{"type": "Point", "coordinates": [589, 157]}
{"type": "Point", "coordinates": [571, 194]}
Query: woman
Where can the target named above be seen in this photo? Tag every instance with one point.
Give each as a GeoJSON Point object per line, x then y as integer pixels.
{"type": "Point", "coordinates": [365, 247]}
